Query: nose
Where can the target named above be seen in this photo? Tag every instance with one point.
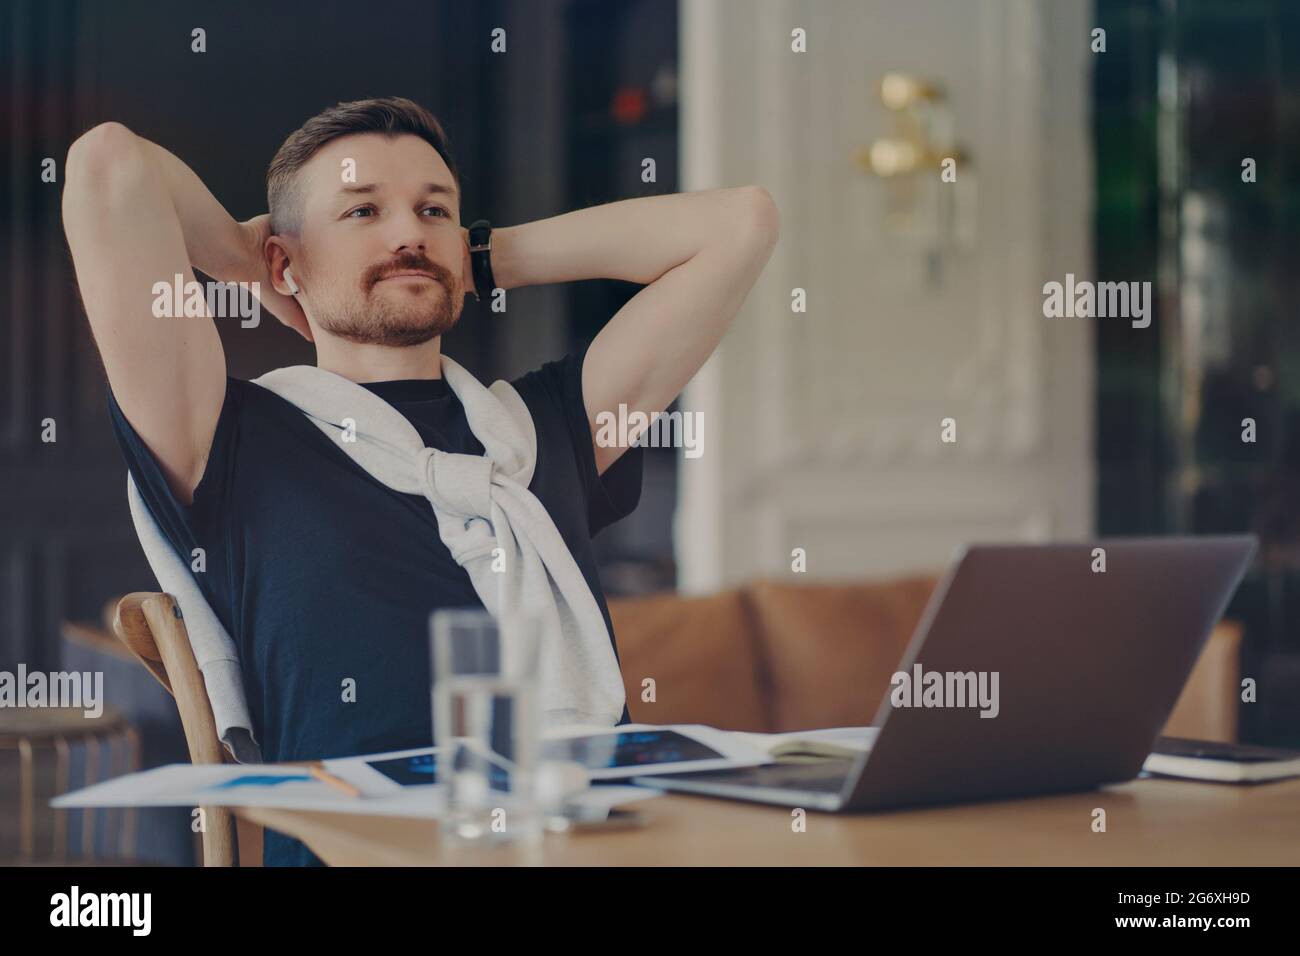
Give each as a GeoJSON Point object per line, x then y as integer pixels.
{"type": "Point", "coordinates": [407, 235]}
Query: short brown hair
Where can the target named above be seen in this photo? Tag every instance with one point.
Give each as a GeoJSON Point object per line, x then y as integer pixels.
{"type": "Point", "coordinates": [387, 115]}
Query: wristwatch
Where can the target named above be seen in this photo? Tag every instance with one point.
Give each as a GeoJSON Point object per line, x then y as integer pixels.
{"type": "Point", "coordinates": [480, 258]}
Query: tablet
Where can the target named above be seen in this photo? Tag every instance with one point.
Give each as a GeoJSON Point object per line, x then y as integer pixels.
{"type": "Point", "coordinates": [631, 750]}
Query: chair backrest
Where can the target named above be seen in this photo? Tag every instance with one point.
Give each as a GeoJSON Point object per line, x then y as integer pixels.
{"type": "Point", "coordinates": [149, 624]}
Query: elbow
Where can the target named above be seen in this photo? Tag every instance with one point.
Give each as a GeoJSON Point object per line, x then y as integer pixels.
{"type": "Point", "coordinates": [103, 158]}
{"type": "Point", "coordinates": [761, 218]}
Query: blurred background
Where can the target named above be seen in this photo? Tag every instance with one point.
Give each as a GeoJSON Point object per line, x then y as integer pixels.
{"type": "Point", "coordinates": [923, 298]}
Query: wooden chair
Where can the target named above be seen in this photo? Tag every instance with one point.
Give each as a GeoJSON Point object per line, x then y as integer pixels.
{"type": "Point", "coordinates": [150, 625]}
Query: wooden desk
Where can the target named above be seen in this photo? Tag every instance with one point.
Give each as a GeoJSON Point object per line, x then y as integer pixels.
{"type": "Point", "coordinates": [1150, 822]}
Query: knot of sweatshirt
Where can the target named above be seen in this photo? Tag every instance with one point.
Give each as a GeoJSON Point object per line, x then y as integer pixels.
{"type": "Point", "coordinates": [461, 486]}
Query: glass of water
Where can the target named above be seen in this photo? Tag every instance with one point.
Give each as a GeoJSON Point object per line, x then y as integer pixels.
{"type": "Point", "coordinates": [486, 725]}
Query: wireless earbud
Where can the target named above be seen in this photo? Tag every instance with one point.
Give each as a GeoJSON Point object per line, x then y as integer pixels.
{"type": "Point", "coordinates": [288, 277]}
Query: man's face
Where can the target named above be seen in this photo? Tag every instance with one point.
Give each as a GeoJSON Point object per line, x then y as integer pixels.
{"type": "Point", "coordinates": [380, 256]}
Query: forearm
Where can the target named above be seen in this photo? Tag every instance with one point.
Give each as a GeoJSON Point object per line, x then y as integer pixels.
{"type": "Point", "coordinates": [635, 240]}
{"type": "Point", "coordinates": [214, 241]}
{"type": "Point", "coordinates": [135, 197]}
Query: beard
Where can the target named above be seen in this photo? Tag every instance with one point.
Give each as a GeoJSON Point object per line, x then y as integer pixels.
{"type": "Point", "coordinates": [399, 314]}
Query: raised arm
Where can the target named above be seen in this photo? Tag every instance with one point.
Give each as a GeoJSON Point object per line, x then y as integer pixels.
{"type": "Point", "coordinates": [135, 215]}
{"type": "Point", "coordinates": [698, 254]}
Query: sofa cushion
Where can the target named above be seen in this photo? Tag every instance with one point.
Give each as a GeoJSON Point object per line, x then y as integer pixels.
{"type": "Point", "coordinates": [701, 654]}
{"type": "Point", "coordinates": [830, 649]}
{"type": "Point", "coordinates": [1207, 707]}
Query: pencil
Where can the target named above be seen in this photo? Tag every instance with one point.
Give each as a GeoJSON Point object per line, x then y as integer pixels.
{"type": "Point", "coordinates": [323, 775]}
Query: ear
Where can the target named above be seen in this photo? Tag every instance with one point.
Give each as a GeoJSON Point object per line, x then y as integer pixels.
{"type": "Point", "coordinates": [276, 253]}
{"type": "Point", "coordinates": [287, 308]}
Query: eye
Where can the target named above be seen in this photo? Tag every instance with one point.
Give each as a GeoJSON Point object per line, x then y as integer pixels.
{"type": "Point", "coordinates": [367, 209]}
{"type": "Point", "coordinates": [437, 209]}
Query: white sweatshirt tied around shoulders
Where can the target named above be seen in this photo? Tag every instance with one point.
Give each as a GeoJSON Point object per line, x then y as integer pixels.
{"type": "Point", "coordinates": [481, 503]}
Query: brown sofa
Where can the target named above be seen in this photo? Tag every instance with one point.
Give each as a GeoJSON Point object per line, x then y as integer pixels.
{"type": "Point", "coordinates": [773, 656]}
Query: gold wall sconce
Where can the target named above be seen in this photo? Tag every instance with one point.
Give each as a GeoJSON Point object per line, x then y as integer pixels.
{"type": "Point", "coordinates": [922, 129]}
{"type": "Point", "coordinates": [929, 176]}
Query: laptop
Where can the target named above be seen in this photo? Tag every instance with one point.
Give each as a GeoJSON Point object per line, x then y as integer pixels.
{"type": "Point", "coordinates": [1088, 662]}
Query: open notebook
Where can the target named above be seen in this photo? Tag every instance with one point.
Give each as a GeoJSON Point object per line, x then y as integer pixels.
{"type": "Point", "coordinates": [828, 742]}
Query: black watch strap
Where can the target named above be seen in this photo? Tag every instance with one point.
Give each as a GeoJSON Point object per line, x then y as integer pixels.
{"type": "Point", "coordinates": [480, 258]}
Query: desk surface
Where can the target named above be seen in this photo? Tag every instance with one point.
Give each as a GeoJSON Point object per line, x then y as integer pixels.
{"type": "Point", "coordinates": [1149, 822]}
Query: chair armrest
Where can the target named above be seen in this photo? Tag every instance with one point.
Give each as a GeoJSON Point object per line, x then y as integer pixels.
{"type": "Point", "coordinates": [132, 629]}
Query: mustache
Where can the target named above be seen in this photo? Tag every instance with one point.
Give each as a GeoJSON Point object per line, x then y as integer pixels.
{"type": "Point", "coordinates": [415, 261]}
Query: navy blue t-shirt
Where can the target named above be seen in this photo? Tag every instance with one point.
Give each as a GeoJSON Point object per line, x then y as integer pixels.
{"type": "Point", "coordinates": [321, 574]}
